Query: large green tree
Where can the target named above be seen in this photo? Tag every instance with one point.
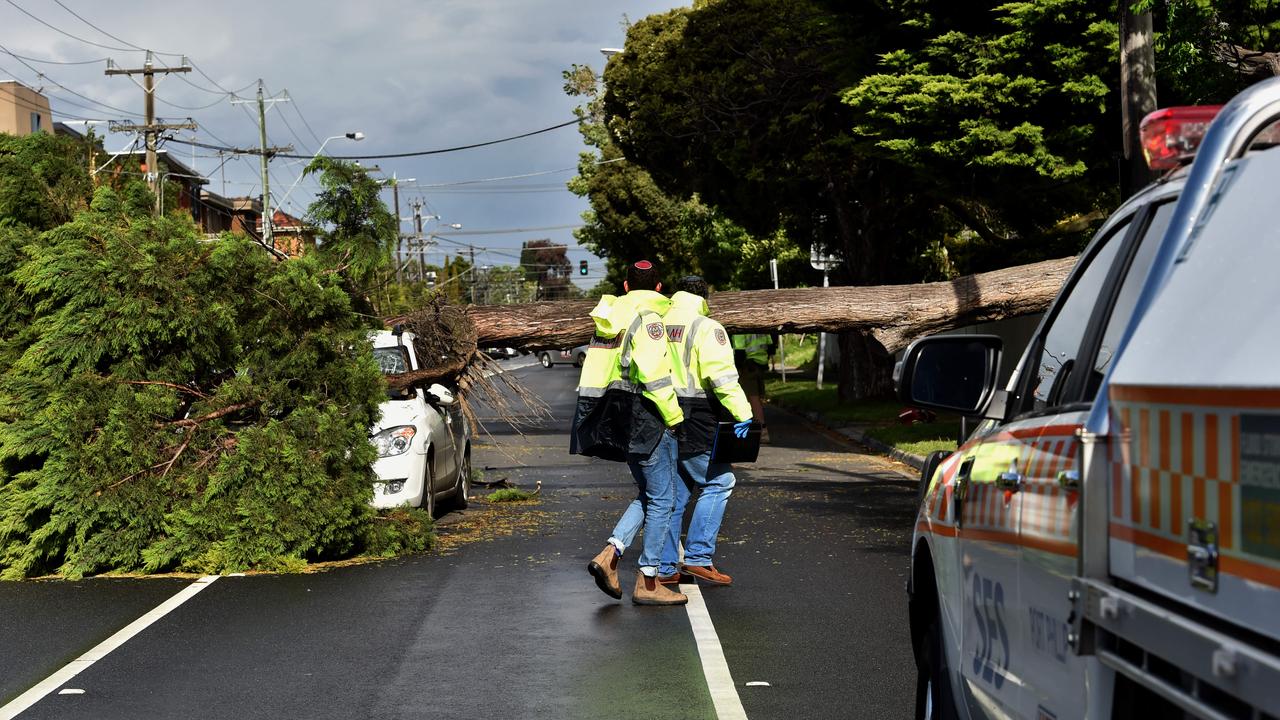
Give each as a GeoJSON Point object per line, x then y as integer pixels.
{"type": "Point", "coordinates": [631, 218]}
{"type": "Point", "coordinates": [912, 138]}
{"type": "Point", "coordinates": [169, 403]}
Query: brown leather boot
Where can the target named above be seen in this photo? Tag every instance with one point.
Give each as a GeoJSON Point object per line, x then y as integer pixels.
{"type": "Point", "coordinates": [604, 568]}
{"type": "Point", "coordinates": [708, 573]}
{"type": "Point", "coordinates": [651, 592]}
{"type": "Point", "coordinates": [675, 578]}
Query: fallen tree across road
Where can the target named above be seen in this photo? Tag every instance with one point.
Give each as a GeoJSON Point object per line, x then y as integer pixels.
{"type": "Point", "coordinates": [894, 314]}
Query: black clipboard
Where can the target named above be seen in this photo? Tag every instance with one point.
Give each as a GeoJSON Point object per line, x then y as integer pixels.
{"type": "Point", "coordinates": [729, 448]}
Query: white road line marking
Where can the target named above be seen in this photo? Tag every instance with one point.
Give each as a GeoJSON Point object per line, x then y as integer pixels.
{"type": "Point", "coordinates": [724, 695]}
{"type": "Point", "coordinates": [101, 650]}
{"type": "Point", "coordinates": [757, 683]}
{"type": "Point", "coordinates": [71, 691]}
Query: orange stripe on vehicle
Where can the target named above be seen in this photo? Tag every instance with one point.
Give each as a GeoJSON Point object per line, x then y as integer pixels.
{"type": "Point", "coordinates": [1153, 500]}
{"type": "Point", "coordinates": [1200, 397]}
{"type": "Point", "coordinates": [1211, 446]}
{"type": "Point", "coordinates": [1229, 564]}
{"type": "Point", "coordinates": [1135, 494]}
{"type": "Point", "coordinates": [1188, 443]}
{"type": "Point", "coordinates": [1226, 514]}
{"type": "Point", "coordinates": [1057, 547]}
{"type": "Point", "coordinates": [1117, 502]}
{"type": "Point", "coordinates": [1163, 425]}
{"type": "Point", "coordinates": [1175, 505]}
{"type": "Point", "coordinates": [1144, 437]}
{"type": "Point", "coordinates": [1235, 448]}
{"type": "Point", "coordinates": [936, 529]}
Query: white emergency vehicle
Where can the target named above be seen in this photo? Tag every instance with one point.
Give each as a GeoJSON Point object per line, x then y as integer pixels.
{"type": "Point", "coordinates": [1107, 542]}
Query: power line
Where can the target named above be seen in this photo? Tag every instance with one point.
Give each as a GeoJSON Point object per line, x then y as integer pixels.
{"type": "Point", "coordinates": [506, 231]}
{"type": "Point", "coordinates": [387, 156]}
{"type": "Point", "coordinates": [42, 76]}
{"type": "Point", "coordinates": [104, 32]}
{"type": "Point", "coordinates": [59, 62]}
{"type": "Point", "coordinates": [73, 37]}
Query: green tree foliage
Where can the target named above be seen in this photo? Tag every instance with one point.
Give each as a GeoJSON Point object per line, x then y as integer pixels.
{"type": "Point", "coordinates": [1209, 50]}
{"type": "Point", "coordinates": [169, 403]}
{"type": "Point", "coordinates": [631, 218]}
{"type": "Point", "coordinates": [1002, 118]}
{"type": "Point", "coordinates": [360, 233]}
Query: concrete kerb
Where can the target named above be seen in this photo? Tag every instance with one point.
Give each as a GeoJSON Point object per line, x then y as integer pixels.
{"type": "Point", "coordinates": [859, 435]}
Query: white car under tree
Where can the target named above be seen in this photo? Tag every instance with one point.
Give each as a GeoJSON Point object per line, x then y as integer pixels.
{"type": "Point", "coordinates": [422, 436]}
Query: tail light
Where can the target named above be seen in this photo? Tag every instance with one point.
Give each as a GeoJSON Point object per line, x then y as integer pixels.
{"type": "Point", "coordinates": [1170, 136]}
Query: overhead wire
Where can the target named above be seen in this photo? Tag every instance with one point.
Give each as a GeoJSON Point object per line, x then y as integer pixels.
{"type": "Point", "coordinates": [95, 27]}
{"type": "Point", "coordinates": [64, 32]}
{"type": "Point", "coordinates": [418, 153]}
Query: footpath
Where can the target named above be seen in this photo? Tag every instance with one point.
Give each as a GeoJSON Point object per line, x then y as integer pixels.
{"type": "Point", "coordinates": [854, 432]}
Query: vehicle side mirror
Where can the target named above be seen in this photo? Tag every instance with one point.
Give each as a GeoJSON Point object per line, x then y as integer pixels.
{"type": "Point", "coordinates": [440, 395]}
{"type": "Point", "coordinates": [952, 373]}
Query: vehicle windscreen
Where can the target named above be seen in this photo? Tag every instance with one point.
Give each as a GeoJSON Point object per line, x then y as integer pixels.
{"type": "Point", "coordinates": [393, 360]}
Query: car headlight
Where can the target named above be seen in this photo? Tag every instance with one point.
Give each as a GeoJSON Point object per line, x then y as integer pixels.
{"type": "Point", "coordinates": [394, 441]}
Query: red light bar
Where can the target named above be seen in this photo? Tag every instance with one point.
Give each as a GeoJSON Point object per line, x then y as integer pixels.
{"type": "Point", "coordinates": [1170, 136]}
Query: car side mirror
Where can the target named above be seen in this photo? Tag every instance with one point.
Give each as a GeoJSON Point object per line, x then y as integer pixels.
{"type": "Point", "coordinates": [440, 395]}
{"type": "Point", "coordinates": [952, 373]}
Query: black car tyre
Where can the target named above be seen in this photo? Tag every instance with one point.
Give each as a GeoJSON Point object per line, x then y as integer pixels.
{"type": "Point", "coordinates": [934, 700]}
{"type": "Point", "coordinates": [462, 490]}
{"type": "Point", "coordinates": [428, 486]}
{"type": "Point", "coordinates": [545, 359]}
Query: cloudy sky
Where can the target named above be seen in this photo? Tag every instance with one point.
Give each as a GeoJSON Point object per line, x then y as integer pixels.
{"type": "Point", "coordinates": [411, 76]}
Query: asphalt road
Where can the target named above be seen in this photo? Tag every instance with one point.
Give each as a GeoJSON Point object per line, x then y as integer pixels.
{"type": "Point", "coordinates": [503, 621]}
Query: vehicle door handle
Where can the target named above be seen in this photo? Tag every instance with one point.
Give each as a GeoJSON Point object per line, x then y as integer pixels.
{"type": "Point", "coordinates": [1069, 479]}
{"type": "Point", "coordinates": [961, 489]}
{"type": "Point", "coordinates": [1010, 480]}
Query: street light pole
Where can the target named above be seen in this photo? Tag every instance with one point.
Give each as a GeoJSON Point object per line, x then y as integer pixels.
{"type": "Point", "coordinates": [357, 136]}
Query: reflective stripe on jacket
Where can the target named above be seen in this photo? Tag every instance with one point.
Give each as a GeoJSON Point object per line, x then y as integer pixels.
{"type": "Point", "coordinates": [755, 347]}
{"type": "Point", "coordinates": [706, 378]}
{"type": "Point", "coordinates": [627, 368]}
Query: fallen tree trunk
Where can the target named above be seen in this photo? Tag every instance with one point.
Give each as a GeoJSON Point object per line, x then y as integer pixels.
{"type": "Point", "coordinates": [894, 314]}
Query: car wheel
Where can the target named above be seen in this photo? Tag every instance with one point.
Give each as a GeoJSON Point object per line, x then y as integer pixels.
{"type": "Point", "coordinates": [545, 359]}
{"type": "Point", "coordinates": [428, 487]}
{"type": "Point", "coordinates": [462, 490]}
{"type": "Point", "coordinates": [933, 680]}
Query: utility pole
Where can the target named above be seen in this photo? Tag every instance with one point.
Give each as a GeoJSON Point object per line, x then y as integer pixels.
{"type": "Point", "coordinates": [422, 246]}
{"type": "Point", "coordinates": [471, 251]}
{"type": "Point", "coordinates": [151, 129]}
{"type": "Point", "coordinates": [395, 196]}
{"type": "Point", "coordinates": [268, 236]}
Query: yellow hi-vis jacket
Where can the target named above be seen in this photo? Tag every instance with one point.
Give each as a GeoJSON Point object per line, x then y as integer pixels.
{"type": "Point", "coordinates": [626, 394]}
{"type": "Point", "coordinates": [706, 378]}
{"type": "Point", "coordinates": [754, 347]}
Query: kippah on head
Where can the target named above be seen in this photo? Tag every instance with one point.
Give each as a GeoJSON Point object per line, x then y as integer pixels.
{"type": "Point", "coordinates": [694, 285]}
{"type": "Point", "coordinates": [642, 275]}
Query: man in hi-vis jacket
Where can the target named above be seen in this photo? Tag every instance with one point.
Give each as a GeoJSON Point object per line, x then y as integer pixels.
{"type": "Point", "coordinates": [708, 391]}
{"type": "Point", "coordinates": [627, 410]}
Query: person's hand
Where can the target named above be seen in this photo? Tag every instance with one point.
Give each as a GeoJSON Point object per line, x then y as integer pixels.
{"type": "Point", "coordinates": [740, 429]}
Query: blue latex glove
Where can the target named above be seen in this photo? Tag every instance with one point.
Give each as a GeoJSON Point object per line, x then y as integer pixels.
{"type": "Point", "coordinates": [740, 429]}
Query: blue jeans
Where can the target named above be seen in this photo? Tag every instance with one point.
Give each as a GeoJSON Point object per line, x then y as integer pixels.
{"type": "Point", "coordinates": [655, 478]}
{"type": "Point", "coordinates": [716, 481]}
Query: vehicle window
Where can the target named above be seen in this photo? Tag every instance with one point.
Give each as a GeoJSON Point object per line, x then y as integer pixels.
{"type": "Point", "coordinates": [392, 360]}
{"type": "Point", "coordinates": [1065, 335]}
{"type": "Point", "coordinates": [1129, 289]}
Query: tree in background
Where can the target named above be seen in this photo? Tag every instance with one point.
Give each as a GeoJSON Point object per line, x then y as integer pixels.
{"type": "Point", "coordinates": [631, 218]}
{"type": "Point", "coordinates": [912, 138]}
{"type": "Point", "coordinates": [546, 264]}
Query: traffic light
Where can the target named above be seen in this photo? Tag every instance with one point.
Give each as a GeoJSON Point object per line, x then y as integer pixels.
{"type": "Point", "coordinates": [582, 267]}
